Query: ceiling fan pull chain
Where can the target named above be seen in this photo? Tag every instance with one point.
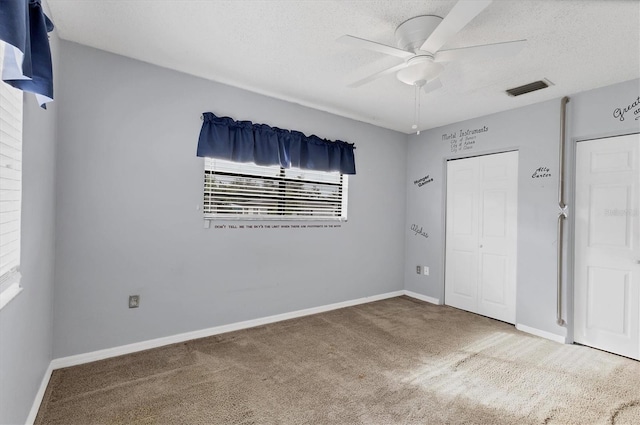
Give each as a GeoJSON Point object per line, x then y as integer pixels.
{"type": "Point", "coordinates": [416, 103]}
{"type": "Point", "coordinates": [418, 87]}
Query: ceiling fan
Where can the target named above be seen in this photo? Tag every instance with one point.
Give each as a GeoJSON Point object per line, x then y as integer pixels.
{"type": "Point", "coordinates": [420, 39]}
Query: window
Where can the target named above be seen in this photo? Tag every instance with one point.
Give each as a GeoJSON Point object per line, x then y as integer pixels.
{"type": "Point", "coordinates": [244, 191]}
{"type": "Point", "coordinates": [10, 187]}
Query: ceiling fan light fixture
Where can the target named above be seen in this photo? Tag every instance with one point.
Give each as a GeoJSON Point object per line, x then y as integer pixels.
{"type": "Point", "coordinates": [419, 68]}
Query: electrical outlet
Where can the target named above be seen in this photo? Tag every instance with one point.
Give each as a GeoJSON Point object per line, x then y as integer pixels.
{"type": "Point", "coordinates": [425, 270]}
{"type": "Point", "coordinates": [134, 301]}
{"type": "Point", "coordinates": [418, 269]}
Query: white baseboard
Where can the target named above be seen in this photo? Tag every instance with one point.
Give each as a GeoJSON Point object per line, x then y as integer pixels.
{"type": "Point", "coordinates": [159, 342]}
{"type": "Point", "coordinates": [39, 396]}
{"type": "Point", "coordinates": [543, 334]}
{"type": "Point", "coordinates": [422, 297]}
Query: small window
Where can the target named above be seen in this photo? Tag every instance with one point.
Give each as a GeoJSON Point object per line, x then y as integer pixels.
{"type": "Point", "coordinates": [245, 191]}
{"type": "Point", "coordinates": [10, 187]}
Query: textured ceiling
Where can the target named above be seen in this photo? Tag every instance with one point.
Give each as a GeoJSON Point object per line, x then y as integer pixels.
{"type": "Point", "coordinates": [287, 49]}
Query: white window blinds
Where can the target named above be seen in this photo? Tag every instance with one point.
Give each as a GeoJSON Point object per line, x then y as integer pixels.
{"type": "Point", "coordinates": [247, 191]}
{"type": "Point", "coordinates": [10, 176]}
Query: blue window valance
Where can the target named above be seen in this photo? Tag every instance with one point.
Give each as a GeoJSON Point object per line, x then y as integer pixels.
{"type": "Point", "coordinates": [244, 141]}
{"type": "Point", "coordinates": [27, 56]}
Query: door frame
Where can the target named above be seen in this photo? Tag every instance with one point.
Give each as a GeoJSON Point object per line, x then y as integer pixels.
{"type": "Point", "coordinates": [570, 253]}
{"type": "Point", "coordinates": [443, 213]}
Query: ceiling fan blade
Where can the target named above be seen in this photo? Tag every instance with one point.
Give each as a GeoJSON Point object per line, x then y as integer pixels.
{"type": "Point", "coordinates": [378, 75]}
{"type": "Point", "coordinates": [461, 14]}
{"type": "Point", "coordinates": [432, 85]}
{"type": "Point", "coordinates": [372, 45]}
{"type": "Point", "coordinates": [485, 51]}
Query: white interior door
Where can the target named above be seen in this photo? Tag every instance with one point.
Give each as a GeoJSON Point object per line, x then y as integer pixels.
{"type": "Point", "coordinates": [607, 245]}
{"type": "Point", "coordinates": [481, 235]}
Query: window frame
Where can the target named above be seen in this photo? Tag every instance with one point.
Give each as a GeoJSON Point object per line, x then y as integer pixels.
{"type": "Point", "coordinates": [278, 182]}
{"type": "Point", "coordinates": [10, 279]}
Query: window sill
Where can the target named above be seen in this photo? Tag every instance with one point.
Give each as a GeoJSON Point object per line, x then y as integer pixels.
{"type": "Point", "coordinates": [11, 290]}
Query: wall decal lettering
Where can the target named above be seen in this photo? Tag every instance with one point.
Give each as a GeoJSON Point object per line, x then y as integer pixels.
{"type": "Point", "coordinates": [417, 230]}
{"type": "Point", "coordinates": [635, 106]}
{"type": "Point", "coordinates": [464, 140]}
{"type": "Point", "coordinates": [541, 172]}
{"type": "Point", "coordinates": [275, 226]}
{"type": "Point", "coordinates": [424, 180]}
{"type": "Point", "coordinates": [621, 213]}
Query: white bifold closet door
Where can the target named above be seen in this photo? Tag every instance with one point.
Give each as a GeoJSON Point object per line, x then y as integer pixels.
{"type": "Point", "coordinates": [481, 235]}
{"type": "Point", "coordinates": [607, 245]}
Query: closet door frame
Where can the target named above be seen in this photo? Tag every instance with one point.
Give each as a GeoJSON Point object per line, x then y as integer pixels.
{"type": "Point", "coordinates": [446, 160]}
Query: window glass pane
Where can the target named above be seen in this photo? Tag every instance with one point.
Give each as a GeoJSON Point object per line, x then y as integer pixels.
{"type": "Point", "coordinates": [248, 191]}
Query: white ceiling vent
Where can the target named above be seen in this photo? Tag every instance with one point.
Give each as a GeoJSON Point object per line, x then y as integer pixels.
{"type": "Point", "coordinates": [528, 88]}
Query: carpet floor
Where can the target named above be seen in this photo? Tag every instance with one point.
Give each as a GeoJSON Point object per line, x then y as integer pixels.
{"type": "Point", "coordinates": [396, 361]}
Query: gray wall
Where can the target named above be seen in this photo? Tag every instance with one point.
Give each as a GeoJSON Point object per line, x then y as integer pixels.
{"type": "Point", "coordinates": [26, 322]}
{"type": "Point", "coordinates": [128, 186]}
{"type": "Point", "coordinates": [534, 131]}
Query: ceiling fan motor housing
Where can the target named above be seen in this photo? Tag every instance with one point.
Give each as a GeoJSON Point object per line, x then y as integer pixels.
{"type": "Point", "coordinates": [412, 33]}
